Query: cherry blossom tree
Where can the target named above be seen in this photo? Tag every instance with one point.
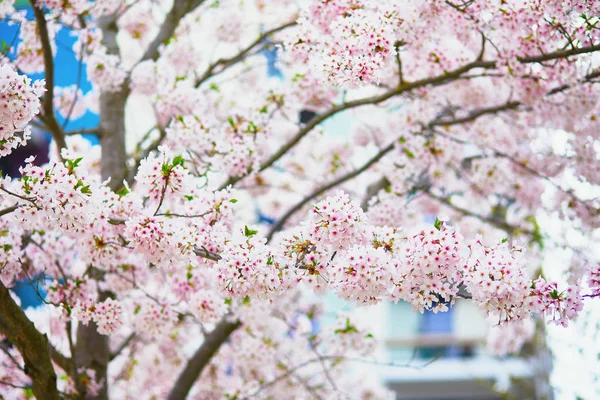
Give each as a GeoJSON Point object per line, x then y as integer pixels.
{"type": "Point", "coordinates": [162, 283]}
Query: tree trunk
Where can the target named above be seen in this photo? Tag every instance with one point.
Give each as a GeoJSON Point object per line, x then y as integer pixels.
{"type": "Point", "coordinates": [92, 349]}
{"type": "Point", "coordinates": [32, 345]}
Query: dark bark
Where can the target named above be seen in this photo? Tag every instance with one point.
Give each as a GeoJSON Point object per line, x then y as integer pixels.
{"type": "Point", "coordinates": [92, 351]}
{"type": "Point", "coordinates": [48, 117]}
{"type": "Point", "coordinates": [176, 13]}
{"type": "Point", "coordinates": [195, 365]}
{"type": "Point", "coordinates": [32, 345]}
{"type": "Point", "coordinates": [112, 117]}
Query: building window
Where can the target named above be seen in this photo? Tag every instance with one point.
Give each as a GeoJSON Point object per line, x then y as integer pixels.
{"type": "Point", "coordinates": [429, 335]}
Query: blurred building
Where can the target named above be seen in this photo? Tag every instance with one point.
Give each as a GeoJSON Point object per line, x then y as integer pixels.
{"type": "Point", "coordinates": [454, 342]}
{"type": "Point", "coordinates": [436, 356]}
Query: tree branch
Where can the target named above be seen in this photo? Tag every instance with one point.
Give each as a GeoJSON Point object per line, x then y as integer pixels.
{"type": "Point", "coordinates": [8, 210]}
{"type": "Point", "coordinates": [510, 229]}
{"type": "Point", "coordinates": [281, 221]}
{"type": "Point", "coordinates": [228, 62]}
{"type": "Point", "coordinates": [178, 11]}
{"type": "Point", "coordinates": [122, 347]}
{"type": "Point", "coordinates": [5, 347]}
{"type": "Point", "coordinates": [32, 345]}
{"type": "Point", "coordinates": [448, 76]}
{"type": "Point", "coordinates": [85, 131]}
{"type": "Point", "coordinates": [75, 97]}
{"type": "Point", "coordinates": [201, 358]}
{"type": "Point", "coordinates": [444, 78]}
{"type": "Point", "coordinates": [558, 54]}
{"type": "Point", "coordinates": [397, 46]}
{"type": "Point", "coordinates": [49, 118]}
{"type": "Point", "coordinates": [473, 115]}
{"type": "Point", "coordinates": [113, 163]}
{"type": "Point", "coordinates": [92, 351]}
{"type": "Point", "coordinates": [60, 359]}
{"type": "Point", "coordinates": [145, 153]}
{"type": "Point", "coordinates": [203, 252]}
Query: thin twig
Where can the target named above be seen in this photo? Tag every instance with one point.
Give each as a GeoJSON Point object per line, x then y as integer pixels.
{"type": "Point", "coordinates": [179, 10]}
{"type": "Point", "coordinates": [203, 252]}
{"type": "Point", "coordinates": [86, 131]}
{"type": "Point", "coordinates": [122, 347]}
{"type": "Point", "coordinates": [397, 46]}
{"type": "Point", "coordinates": [13, 385]}
{"type": "Point", "coordinates": [225, 63]}
{"type": "Point", "coordinates": [5, 350]}
{"type": "Point", "coordinates": [281, 221]}
{"type": "Point", "coordinates": [470, 117]}
{"type": "Point", "coordinates": [75, 97]}
{"type": "Point", "coordinates": [28, 199]}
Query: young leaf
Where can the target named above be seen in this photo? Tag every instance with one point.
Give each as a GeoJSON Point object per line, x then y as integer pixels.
{"type": "Point", "coordinates": [249, 232]}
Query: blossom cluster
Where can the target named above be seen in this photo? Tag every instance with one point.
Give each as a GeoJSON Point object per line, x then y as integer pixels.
{"type": "Point", "coordinates": [338, 222]}
{"type": "Point", "coordinates": [248, 268]}
{"type": "Point", "coordinates": [350, 41]}
{"type": "Point", "coordinates": [594, 282]}
{"type": "Point", "coordinates": [483, 111]}
{"type": "Point", "coordinates": [103, 70]}
{"type": "Point", "coordinates": [20, 103]}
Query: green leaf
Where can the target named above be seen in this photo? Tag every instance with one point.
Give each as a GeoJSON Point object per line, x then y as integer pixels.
{"type": "Point", "coordinates": [137, 310]}
{"type": "Point", "coordinates": [178, 161]}
{"type": "Point", "coordinates": [228, 302]}
{"type": "Point", "coordinates": [29, 393]}
{"type": "Point", "coordinates": [249, 232]}
{"type": "Point", "coordinates": [233, 201]}
{"type": "Point", "coordinates": [246, 300]}
{"type": "Point", "coordinates": [86, 189]}
{"type": "Point", "coordinates": [298, 77]}
{"type": "Point", "coordinates": [554, 294]}
{"type": "Point", "coordinates": [188, 197]}
{"type": "Point", "coordinates": [82, 188]}
{"type": "Point", "coordinates": [214, 86]}
{"type": "Point", "coordinates": [536, 236]}
{"type": "Point", "coordinates": [438, 224]}
{"type": "Point", "coordinates": [252, 128]}
{"type": "Point", "coordinates": [123, 192]}
{"type": "Point", "coordinates": [504, 240]}
{"type": "Point", "coordinates": [408, 153]}
{"type": "Point", "coordinates": [348, 329]}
